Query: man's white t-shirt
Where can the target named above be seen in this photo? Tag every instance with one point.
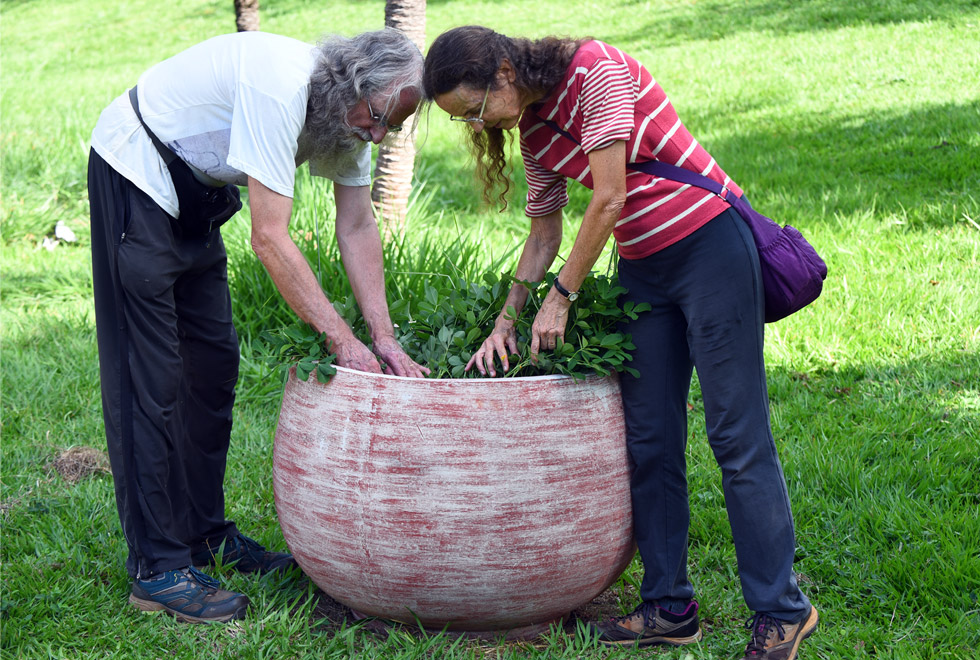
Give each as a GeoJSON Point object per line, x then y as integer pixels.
{"type": "Point", "coordinates": [233, 106]}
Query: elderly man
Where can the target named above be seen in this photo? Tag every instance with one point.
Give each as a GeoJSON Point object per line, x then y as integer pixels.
{"type": "Point", "coordinates": [243, 109]}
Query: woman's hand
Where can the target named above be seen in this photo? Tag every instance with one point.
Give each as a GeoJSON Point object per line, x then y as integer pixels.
{"type": "Point", "coordinates": [539, 251]}
{"type": "Point", "coordinates": [501, 342]}
{"type": "Point", "coordinates": [396, 360]}
{"type": "Point", "coordinates": [549, 323]}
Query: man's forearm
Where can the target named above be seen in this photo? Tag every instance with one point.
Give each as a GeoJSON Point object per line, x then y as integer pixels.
{"type": "Point", "coordinates": [299, 288]}
{"type": "Point", "coordinates": [360, 251]}
{"type": "Point", "coordinates": [286, 265]}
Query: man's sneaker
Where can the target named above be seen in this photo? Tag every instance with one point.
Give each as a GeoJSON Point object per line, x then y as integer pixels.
{"type": "Point", "coordinates": [649, 624]}
{"type": "Point", "coordinates": [189, 595]}
{"type": "Point", "coordinates": [244, 555]}
{"type": "Point", "coordinates": [773, 639]}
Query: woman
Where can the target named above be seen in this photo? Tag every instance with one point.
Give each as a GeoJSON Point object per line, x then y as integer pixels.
{"type": "Point", "coordinates": [584, 110]}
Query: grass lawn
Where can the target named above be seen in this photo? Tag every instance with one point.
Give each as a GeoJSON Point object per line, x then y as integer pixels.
{"type": "Point", "coordinates": [857, 122]}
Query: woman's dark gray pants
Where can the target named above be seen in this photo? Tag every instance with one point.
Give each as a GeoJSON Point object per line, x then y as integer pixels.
{"type": "Point", "coordinates": [168, 357]}
{"type": "Point", "coordinates": [706, 295]}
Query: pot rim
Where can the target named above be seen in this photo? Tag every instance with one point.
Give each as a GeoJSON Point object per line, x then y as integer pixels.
{"type": "Point", "coordinates": [486, 381]}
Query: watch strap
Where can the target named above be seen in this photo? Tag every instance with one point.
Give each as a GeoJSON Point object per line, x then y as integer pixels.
{"type": "Point", "coordinates": [571, 295]}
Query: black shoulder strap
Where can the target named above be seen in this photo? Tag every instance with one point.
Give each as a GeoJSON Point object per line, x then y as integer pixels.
{"type": "Point", "coordinates": [165, 153]}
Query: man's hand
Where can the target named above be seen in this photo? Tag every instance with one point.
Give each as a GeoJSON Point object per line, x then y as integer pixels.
{"type": "Point", "coordinates": [396, 360]}
{"type": "Point", "coordinates": [353, 354]}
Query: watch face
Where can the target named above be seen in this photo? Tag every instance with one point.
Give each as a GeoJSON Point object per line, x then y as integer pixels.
{"type": "Point", "coordinates": [572, 297]}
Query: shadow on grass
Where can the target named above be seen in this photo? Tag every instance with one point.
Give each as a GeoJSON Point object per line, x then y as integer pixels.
{"type": "Point", "coordinates": [923, 399]}
{"type": "Point", "coordinates": [332, 616]}
{"type": "Point", "coordinates": [919, 166]}
{"type": "Point", "coordinates": [692, 21]}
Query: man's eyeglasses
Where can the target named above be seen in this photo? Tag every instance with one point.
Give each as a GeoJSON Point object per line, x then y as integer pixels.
{"type": "Point", "coordinates": [479, 118]}
{"type": "Point", "coordinates": [382, 121]}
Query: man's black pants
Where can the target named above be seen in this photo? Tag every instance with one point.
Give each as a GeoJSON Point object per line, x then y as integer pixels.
{"type": "Point", "coordinates": [168, 356]}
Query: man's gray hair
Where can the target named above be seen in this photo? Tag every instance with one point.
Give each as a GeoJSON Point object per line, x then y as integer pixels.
{"type": "Point", "coordinates": [383, 63]}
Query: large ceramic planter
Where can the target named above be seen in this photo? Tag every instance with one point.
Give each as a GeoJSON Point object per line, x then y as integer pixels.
{"type": "Point", "coordinates": [472, 504]}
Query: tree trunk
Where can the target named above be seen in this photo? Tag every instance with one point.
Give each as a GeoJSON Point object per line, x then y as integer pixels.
{"type": "Point", "coordinates": [247, 15]}
{"type": "Point", "coordinates": [395, 165]}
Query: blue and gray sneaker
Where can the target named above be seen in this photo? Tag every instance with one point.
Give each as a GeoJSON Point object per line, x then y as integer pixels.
{"type": "Point", "coordinates": [244, 555]}
{"type": "Point", "coordinates": [189, 595]}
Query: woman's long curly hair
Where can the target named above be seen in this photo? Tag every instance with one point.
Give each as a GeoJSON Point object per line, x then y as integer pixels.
{"type": "Point", "coordinates": [471, 55]}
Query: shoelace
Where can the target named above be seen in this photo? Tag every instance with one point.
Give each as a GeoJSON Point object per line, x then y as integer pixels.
{"type": "Point", "coordinates": [252, 548]}
{"type": "Point", "coordinates": [761, 624]}
{"type": "Point", "coordinates": [203, 579]}
{"type": "Point", "coordinates": [646, 610]}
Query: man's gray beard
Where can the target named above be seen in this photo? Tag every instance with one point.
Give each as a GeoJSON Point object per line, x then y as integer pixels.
{"type": "Point", "coordinates": [332, 138]}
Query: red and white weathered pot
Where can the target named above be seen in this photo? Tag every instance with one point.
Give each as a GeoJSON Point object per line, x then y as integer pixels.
{"type": "Point", "coordinates": [474, 504]}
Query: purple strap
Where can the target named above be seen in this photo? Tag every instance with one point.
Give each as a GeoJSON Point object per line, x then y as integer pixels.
{"type": "Point", "coordinates": [764, 229]}
{"type": "Point", "coordinates": [664, 170]}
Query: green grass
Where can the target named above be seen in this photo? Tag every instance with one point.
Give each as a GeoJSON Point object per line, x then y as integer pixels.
{"type": "Point", "coordinates": [856, 122]}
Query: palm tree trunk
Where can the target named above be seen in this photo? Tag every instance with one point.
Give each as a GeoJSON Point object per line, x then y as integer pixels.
{"type": "Point", "coordinates": [247, 15]}
{"type": "Point", "coordinates": [396, 163]}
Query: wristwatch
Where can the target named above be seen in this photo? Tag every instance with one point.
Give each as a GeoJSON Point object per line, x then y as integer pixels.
{"type": "Point", "coordinates": [571, 295]}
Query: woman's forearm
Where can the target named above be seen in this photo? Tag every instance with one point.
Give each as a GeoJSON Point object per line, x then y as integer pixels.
{"type": "Point", "coordinates": [540, 250]}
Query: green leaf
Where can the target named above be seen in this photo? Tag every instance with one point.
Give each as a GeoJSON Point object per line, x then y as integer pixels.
{"type": "Point", "coordinates": [445, 334]}
{"type": "Point", "coordinates": [325, 371]}
{"type": "Point", "coordinates": [611, 340]}
{"type": "Point", "coordinates": [303, 371]}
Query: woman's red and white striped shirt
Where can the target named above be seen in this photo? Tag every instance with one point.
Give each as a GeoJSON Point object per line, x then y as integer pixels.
{"type": "Point", "coordinates": [607, 96]}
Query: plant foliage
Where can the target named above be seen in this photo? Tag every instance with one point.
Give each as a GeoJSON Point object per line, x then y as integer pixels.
{"type": "Point", "coordinates": [447, 323]}
{"type": "Point", "coordinates": [300, 346]}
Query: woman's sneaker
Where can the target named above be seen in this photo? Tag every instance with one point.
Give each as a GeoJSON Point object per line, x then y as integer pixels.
{"type": "Point", "coordinates": [244, 555]}
{"type": "Point", "coordinates": [649, 624]}
{"type": "Point", "coordinates": [189, 595]}
{"type": "Point", "coordinates": [773, 639]}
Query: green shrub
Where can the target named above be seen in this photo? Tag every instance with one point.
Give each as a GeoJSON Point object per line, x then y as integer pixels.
{"type": "Point", "coordinates": [446, 325]}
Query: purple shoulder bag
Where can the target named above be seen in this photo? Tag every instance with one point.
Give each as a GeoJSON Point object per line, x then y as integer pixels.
{"type": "Point", "coordinates": [792, 271]}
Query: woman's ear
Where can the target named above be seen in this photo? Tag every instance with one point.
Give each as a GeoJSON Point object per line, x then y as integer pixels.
{"type": "Point", "coordinates": [506, 73]}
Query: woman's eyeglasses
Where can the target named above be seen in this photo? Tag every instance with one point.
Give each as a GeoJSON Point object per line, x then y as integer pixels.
{"type": "Point", "coordinates": [479, 118]}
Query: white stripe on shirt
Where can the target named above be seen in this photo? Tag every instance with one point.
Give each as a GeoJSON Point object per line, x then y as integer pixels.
{"type": "Point", "coordinates": [667, 136]}
{"type": "Point", "coordinates": [642, 212]}
{"type": "Point", "coordinates": [660, 228]}
{"type": "Point", "coordinates": [694, 144]}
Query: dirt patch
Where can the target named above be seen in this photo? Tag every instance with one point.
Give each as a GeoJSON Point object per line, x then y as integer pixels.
{"type": "Point", "coordinates": [600, 608]}
{"type": "Point", "coordinates": [77, 463]}
{"type": "Point", "coordinates": [330, 612]}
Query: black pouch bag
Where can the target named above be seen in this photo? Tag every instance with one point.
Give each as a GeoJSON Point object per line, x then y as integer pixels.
{"type": "Point", "coordinates": [203, 208]}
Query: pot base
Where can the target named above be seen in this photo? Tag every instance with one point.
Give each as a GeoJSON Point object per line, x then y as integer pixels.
{"type": "Point", "coordinates": [522, 634]}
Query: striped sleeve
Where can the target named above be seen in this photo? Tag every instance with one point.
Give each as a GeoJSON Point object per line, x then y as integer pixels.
{"type": "Point", "coordinates": [607, 101]}
{"type": "Point", "coordinates": [547, 191]}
